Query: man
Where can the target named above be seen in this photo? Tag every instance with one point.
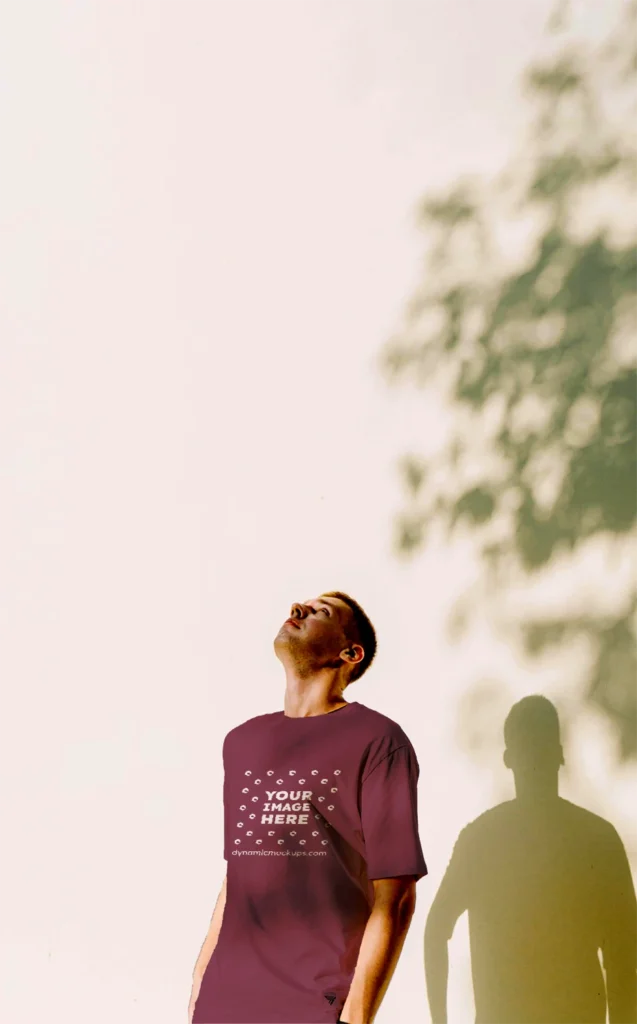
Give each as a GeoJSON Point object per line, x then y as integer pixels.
{"type": "Point", "coordinates": [321, 840]}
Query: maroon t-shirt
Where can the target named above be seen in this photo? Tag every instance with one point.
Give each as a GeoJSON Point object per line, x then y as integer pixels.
{"type": "Point", "coordinates": [315, 808]}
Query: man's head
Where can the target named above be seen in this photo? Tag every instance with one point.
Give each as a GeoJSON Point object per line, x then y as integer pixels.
{"type": "Point", "coordinates": [329, 631]}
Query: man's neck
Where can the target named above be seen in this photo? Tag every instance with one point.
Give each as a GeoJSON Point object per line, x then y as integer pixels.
{"type": "Point", "coordinates": [314, 694]}
{"type": "Point", "coordinates": [303, 708]}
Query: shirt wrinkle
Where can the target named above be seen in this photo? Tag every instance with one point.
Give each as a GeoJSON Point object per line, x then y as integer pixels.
{"type": "Point", "coordinates": [394, 751]}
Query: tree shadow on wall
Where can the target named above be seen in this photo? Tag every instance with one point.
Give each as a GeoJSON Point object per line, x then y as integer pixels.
{"type": "Point", "coordinates": [539, 363]}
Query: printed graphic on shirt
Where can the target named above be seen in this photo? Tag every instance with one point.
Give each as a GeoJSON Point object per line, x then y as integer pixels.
{"type": "Point", "coordinates": [279, 812]}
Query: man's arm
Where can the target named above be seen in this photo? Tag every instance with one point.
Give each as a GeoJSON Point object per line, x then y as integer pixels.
{"type": "Point", "coordinates": [381, 946]}
{"type": "Point", "coordinates": [208, 948]}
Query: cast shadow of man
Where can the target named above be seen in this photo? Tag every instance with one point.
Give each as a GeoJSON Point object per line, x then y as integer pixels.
{"type": "Point", "coordinates": [546, 885]}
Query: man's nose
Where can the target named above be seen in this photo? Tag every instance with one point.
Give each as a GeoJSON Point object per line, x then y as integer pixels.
{"type": "Point", "coordinates": [298, 611]}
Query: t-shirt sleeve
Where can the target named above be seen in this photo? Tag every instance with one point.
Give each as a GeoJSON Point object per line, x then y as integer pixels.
{"type": "Point", "coordinates": [226, 803]}
{"type": "Point", "coordinates": [389, 816]}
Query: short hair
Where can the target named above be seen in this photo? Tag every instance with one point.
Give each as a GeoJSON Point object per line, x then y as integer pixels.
{"type": "Point", "coordinates": [364, 632]}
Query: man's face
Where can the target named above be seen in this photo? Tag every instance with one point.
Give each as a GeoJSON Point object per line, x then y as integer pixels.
{"type": "Point", "coordinates": [317, 631]}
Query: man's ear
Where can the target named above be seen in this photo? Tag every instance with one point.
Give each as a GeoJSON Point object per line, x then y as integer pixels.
{"type": "Point", "coordinates": [356, 654]}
